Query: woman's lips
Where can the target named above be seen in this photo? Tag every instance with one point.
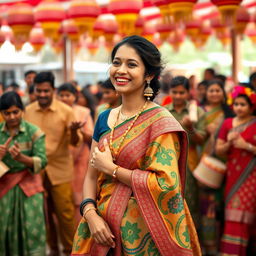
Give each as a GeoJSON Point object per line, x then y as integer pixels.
{"type": "Point", "coordinates": [122, 81]}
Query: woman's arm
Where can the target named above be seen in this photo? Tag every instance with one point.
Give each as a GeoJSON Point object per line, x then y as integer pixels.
{"type": "Point", "coordinates": [99, 229]}
{"type": "Point", "coordinates": [222, 147]}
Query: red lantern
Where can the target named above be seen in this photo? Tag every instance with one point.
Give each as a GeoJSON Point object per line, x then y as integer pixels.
{"type": "Point", "coordinates": [228, 9]}
{"type": "Point", "coordinates": [181, 10]}
{"type": "Point", "coordinates": [164, 30]}
{"type": "Point", "coordinates": [20, 18]}
{"type": "Point", "coordinates": [139, 25]}
{"type": "Point", "coordinates": [98, 29]}
{"type": "Point", "coordinates": [218, 26]}
{"type": "Point", "coordinates": [225, 38]}
{"type": "Point", "coordinates": [37, 38]}
{"type": "Point", "coordinates": [176, 40]}
{"type": "Point", "coordinates": [242, 19]}
{"type": "Point", "coordinates": [110, 28]}
{"type": "Point", "coordinates": [50, 15]}
{"type": "Point", "coordinates": [251, 33]}
{"type": "Point", "coordinates": [126, 13]}
{"type": "Point", "coordinates": [192, 28]}
{"type": "Point", "coordinates": [164, 10]}
{"type": "Point", "coordinates": [92, 47]}
{"type": "Point", "coordinates": [70, 29]}
{"type": "Point", "coordinates": [148, 32]}
{"type": "Point", "coordinates": [84, 14]}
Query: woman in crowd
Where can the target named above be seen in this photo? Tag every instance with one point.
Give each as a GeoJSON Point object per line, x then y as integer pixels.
{"type": "Point", "coordinates": [22, 156]}
{"type": "Point", "coordinates": [67, 93]}
{"type": "Point", "coordinates": [238, 141]}
{"type": "Point", "coordinates": [134, 187]}
{"type": "Point", "coordinates": [86, 99]}
{"type": "Point", "coordinates": [210, 199]}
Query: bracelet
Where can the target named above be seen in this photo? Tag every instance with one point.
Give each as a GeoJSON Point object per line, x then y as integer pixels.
{"type": "Point", "coordinates": [115, 172]}
{"type": "Point", "coordinates": [85, 202]}
{"type": "Point", "coordinates": [87, 210]}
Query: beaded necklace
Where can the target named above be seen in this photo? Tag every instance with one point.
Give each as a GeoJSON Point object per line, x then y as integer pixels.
{"type": "Point", "coordinates": [116, 152]}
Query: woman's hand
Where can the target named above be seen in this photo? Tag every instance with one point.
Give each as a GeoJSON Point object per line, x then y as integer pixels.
{"type": "Point", "coordinates": [103, 161]}
{"type": "Point", "coordinates": [100, 230]}
{"type": "Point", "coordinates": [211, 128]}
{"type": "Point", "coordinates": [239, 142]}
{"type": "Point", "coordinates": [232, 135]}
{"type": "Point", "coordinates": [187, 123]}
{"type": "Point", "coordinates": [4, 148]}
{"type": "Point", "coordinates": [15, 151]}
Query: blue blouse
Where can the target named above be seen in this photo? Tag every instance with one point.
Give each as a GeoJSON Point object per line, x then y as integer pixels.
{"type": "Point", "coordinates": [101, 125]}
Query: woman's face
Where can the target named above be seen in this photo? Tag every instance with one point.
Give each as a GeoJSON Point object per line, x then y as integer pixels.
{"type": "Point", "coordinates": [214, 94]}
{"type": "Point", "coordinates": [81, 100]}
{"type": "Point", "coordinates": [127, 71]}
{"type": "Point", "coordinates": [242, 108]}
{"type": "Point", "coordinates": [12, 116]}
{"type": "Point", "coordinates": [67, 97]}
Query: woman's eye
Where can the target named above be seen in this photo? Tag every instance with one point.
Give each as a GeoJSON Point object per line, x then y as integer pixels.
{"type": "Point", "coordinates": [132, 65]}
{"type": "Point", "coordinates": [115, 62]}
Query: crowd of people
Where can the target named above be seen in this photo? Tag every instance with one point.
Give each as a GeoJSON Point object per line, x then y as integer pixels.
{"type": "Point", "coordinates": [155, 164]}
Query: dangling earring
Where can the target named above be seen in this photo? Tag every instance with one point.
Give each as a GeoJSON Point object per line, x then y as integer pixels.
{"type": "Point", "coordinates": [148, 92]}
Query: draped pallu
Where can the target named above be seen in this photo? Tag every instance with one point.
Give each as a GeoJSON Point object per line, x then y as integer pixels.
{"type": "Point", "coordinates": [151, 216]}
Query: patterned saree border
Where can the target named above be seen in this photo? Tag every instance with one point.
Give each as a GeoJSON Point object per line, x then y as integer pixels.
{"type": "Point", "coordinates": [152, 217]}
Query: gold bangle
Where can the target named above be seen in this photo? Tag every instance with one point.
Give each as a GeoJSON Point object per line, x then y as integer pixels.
{"type": "Point", "coordinates": [87, 210]}
{"type": "Point", "coordinates": [115, 172]}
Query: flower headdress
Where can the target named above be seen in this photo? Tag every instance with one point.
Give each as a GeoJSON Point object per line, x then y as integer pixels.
{"type": "Point", "coordinates": [238, 90]}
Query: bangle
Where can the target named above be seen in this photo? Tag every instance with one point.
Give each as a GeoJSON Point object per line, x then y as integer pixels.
{"type": "Point", "coordinates": [115, 172]}
{"type": "Point", "coordinates": [87, 210]}
{"type": "Point", "coordinates": [85, 202]}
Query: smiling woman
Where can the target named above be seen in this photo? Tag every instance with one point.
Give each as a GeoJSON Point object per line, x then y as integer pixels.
{"type": "Point", "coordinates": [134, 185]}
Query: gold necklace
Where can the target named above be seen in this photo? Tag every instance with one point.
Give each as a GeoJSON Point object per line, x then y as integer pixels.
{"type": "Point", "coordinates": [116, 152]}
{"type": "Point", "coordinates": [124, 117]}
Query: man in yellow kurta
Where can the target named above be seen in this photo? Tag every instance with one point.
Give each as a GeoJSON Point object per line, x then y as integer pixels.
{"type": "Point", "coordinates": [56, 120]}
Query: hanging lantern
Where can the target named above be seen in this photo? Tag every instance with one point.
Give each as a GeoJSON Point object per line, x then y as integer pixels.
{"type": "Point", "coordinates": [176, 40]}
{"type": "Point", "coordinates": [148, 32]}
{"type": "Point", "coordinates": [50, 15]}
{"type": "Point", "coordinates": [58, 46]}
{"type": "Point", "coordinates": [2, 37]}
{"type": "Point", "coordinates": [37, 38]}
{"type": "Point", "coordinates": [98, 29]}
{"type": "Point", "coordinates": [18, 43]}
{"type": "Point", "coordinates": [218, 26]}
{"type": "Point", "coordinates": [20, 18]}
{"type": "Point", "coordinates": [228, 9]}
{"type": "Point", "coordinates": [164, 10]}
{"type": "Point", "coordinates": [110, 28]}
{"type": "Point", "coordinates": [225, 38]}
{"type": "Point", "coordinates": [164, 30]}
{"type": "Point", "coordinates": [204, 34]}
{"type": "Point", "coordinates": [251, 33]}
{"type": "Point", "coordinates": [126, 13]}
{"type": "Point", "coordinates": [181, 10]}
{"type": "Point", "coordinates": [242, 19]}
{"type": "Point", "coordinates": [92, 47]}
{"type": "Point", "coordinates": [84, 14]}
{"type": "Point", "coordinates": [139, 25]}
{"type": "Point", "coordinates": [192, 28]}
{"type": "Point", "coordinates": [70, 29]}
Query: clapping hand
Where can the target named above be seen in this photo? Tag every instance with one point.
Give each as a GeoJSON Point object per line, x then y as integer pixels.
{"type": "Point", "coordinates": [187, 123]}
{"type": "Point", "coordinates": [4, 148]}
{"type": "Point", "coordinates": [15, 151]}
{"type": "Point", "coordinates": [76, 125]}
{"type": "Point", "coordinates": [239, 142]}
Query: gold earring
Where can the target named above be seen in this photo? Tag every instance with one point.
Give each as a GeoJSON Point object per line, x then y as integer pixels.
{"type": "Point", "coordinates": [148, 92]}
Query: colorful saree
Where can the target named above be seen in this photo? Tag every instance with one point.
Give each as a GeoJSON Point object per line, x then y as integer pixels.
{"type": "Point", "coordinates": [210, 199]}
{"type": "Point", "coordinates": [240, 198]}
{"type": "Point", "coordinates": [151, 217]}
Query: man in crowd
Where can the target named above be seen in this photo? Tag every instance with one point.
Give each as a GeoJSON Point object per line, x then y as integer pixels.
{"type": "Point", "coordinates": [29, 77]}
{"type": "Point", "coordinates": [56, 120]}
{"type": "Point", "coordinates": [209, 74]}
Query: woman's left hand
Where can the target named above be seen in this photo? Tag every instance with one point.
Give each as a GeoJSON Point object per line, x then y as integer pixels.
{"type": "Point", "coordinates": [103, 161]}
{"type": "Point", "coordinates": [239, 142]}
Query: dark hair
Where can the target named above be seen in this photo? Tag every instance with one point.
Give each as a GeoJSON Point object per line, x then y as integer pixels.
{"type": "Point", "coordinates": [221, 77]}
{"type": "Point", "coordinates": [67, 87]}
{"type": "Point", "coordinates": [91, 102]}
{"type": "Point", "coordinates": [150, 56]}
{"type": "Point", "coordinates": [180, 80]}
{"type": "Point", "coordinates": [31, 89]}
{"type": "Point", "coordinates": [226, 109]}
{"type": "Point", "coordinates": [45, 77]}
{"type": "Point", "coordinates": [203, 83]}
{"type": "Point", "coordinates": [29, 72]}
{"type": "Point", "coordinates": [14, 85]}
{"type": "Point", "coordinates": [9, 99]}
{"type": "Point", "coordinates": [210, 70]}
{"type": "Point", "coordinates": [252, 76]}
{"type": "Point", "coordinates": [107, 85]}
